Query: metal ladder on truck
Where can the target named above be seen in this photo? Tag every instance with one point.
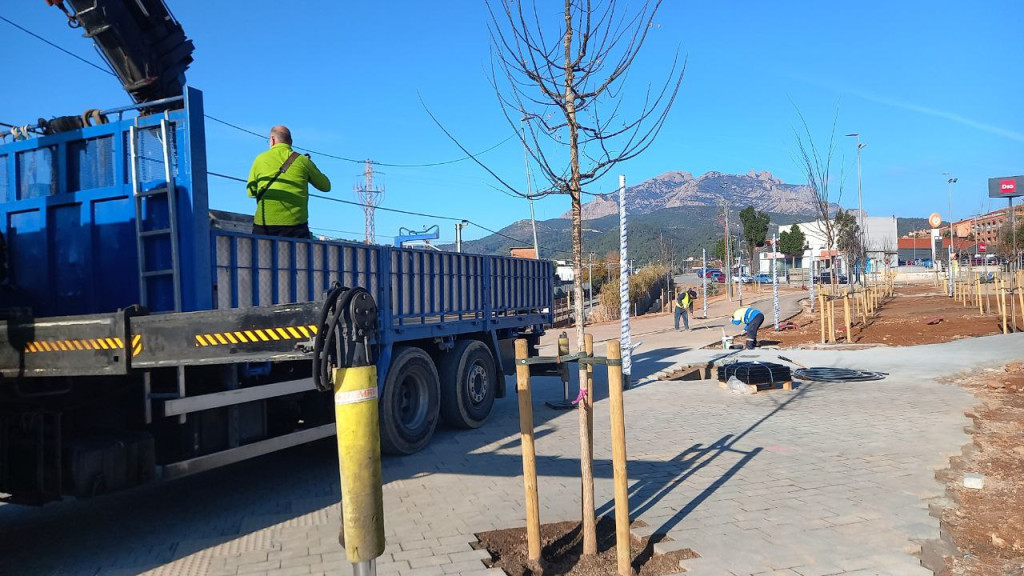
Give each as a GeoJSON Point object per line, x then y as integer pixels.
{"type": "Point", "coordinates": [156, 228]}
{"type": "Point", "coordinates": [156, 220]}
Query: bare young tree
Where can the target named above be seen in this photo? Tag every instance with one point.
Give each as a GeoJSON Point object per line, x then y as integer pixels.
{"type": "Point", "coordinates": [560, 79]}
{"type": "Point", "coordinates": [817, 165]}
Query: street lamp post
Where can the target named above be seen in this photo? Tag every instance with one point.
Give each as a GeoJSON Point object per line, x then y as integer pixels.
{"type": "Point", "coordinates": [949, 190]}
{"type": "Point", "coordinates": [529, 191]}
{"type": "Point", "coordinates": [860, 205]}
{"type": "Point", "coordinates": [458, 234]}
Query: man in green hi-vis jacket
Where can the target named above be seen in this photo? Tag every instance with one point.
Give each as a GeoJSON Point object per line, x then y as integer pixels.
{"type": "Point", "coordinates": [279, 180]}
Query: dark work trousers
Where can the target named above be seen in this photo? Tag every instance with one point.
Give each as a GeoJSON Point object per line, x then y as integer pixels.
{"type": "Point", "coordinates": [293, 231]}
{"type": "Point", "coordinates": [686, 319]}
{"type": "Point", "coordinates": [752, 328]}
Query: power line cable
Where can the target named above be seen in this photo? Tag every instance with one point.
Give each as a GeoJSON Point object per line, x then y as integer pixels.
{"type": "Point", "coordinates": [396, 210]}
{"type": "Point", "coordinates": [349, 232]}
{"type": "Point", "coordinates": [356, 161]}
{"type": "Point", "coordinates": [325, 154]}
{"type": "Point", "coordinates": [64, 50]}
{"type": "Point", "coordinates": [226, 177]}
{"type": "Point", "coordinates": [236, 127]}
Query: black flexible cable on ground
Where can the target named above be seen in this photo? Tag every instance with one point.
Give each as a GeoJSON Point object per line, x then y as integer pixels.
{"type": "Point", "coordinates": [828, 374]}
{"type": "Point", "coordinates": [755, 372]}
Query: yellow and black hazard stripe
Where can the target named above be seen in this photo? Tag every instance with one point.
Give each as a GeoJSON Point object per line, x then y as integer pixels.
{"type": "Point", "coordinates": [136, 345]}
{"type": "Point", "coordinates": [300, 332]}
{"type": "Point", "coordinates": [76, 345]}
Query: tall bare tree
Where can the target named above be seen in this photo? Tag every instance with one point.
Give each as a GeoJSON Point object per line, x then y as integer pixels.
{"type": "Point", "coordinates": [817, 166]}
{"type": "Point", "coordinates": [561, 79]}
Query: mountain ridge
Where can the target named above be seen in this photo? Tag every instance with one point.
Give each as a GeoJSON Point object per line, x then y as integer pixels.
{"type": "Point", "coordinates": [659, 231]}
{"type": "Point", "coordinates": [762, 190]}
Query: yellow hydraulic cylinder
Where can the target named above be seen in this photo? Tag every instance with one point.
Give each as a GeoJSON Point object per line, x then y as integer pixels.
{"type": "Point", "coordinates": [362, 496]}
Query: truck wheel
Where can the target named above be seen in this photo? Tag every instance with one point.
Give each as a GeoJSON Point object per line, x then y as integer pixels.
{"type": "Point", "coordinates": [409, 402]}
{"type": "Point", "coordinates": [467, 384]}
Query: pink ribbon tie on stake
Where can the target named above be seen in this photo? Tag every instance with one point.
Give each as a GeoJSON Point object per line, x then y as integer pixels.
{"type": "Point", "coordinates": [580, 396]}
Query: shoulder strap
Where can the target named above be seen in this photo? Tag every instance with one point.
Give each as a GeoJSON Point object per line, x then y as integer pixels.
{"type": "Point", "coordinates": [284, 168]}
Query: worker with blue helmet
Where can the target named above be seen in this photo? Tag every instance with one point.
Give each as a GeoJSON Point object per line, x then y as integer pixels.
{"type": "Point", "coordinates": [751, 318]}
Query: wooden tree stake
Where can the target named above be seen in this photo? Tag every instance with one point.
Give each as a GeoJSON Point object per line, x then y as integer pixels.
{"type": "Point", "coordinates": [1020, 296]}
{"type": "Point", "coordinates": [587, 466]}
{"type": "Point", "coordinates": [622, 535]}
{"type": "Point", "coordinates": [1002, 307]}
{"type": "Point", "coordinates": [588, 342]}
{"type": "Point", "coordinates": [529, 453]}
{"type": "Point", "coordinates": [846, 317]}
{"type": "Point", "coordinates": [821, 313]}
{"type": "Point", "coordinates": [832, 321]}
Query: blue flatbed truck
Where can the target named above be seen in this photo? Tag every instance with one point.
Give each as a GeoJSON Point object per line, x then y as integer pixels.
{"type": "Point", "coordinates": [143, 337]}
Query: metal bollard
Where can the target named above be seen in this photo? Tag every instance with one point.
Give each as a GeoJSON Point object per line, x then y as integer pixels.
{"type": "Point", "coordinates": [348, 325]}
{"type": "Point", "coordinates": [358, 421]}
{"type": "Point", "coordinates": [563, 373]}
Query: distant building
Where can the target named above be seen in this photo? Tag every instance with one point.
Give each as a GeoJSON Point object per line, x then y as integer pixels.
{"type": "Point", "coordinates": [986, 227]}
{"type": "Point", "coordinates": [880, 241]}
{"type": "Point", "coordinates": [564, 271]}
{"type": "Point", "coordinates": [523, 253]}
{"type": "Point", "coordinates": [915, 249]}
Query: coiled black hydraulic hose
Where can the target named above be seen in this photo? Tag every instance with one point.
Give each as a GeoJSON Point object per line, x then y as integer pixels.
{"type": "Point", "coordinates": [348, 324]}
{"type": "Point", "coordinates": [829, 374]}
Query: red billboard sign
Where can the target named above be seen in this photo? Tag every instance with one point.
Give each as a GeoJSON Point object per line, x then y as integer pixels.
{"type": "Point", "coordinates": [1006, 187]}
{"type": "Point", "coordinates": [982, 247]}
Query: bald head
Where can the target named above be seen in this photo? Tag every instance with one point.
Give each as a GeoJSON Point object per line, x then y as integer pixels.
{"type": "Point", "coordinates": [280, 135]}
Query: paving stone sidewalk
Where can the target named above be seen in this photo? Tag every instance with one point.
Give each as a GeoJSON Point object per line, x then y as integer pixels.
{"type": "Point", "coordinates": [826, 479]}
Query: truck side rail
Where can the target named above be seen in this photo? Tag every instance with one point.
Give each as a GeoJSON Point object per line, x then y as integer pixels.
{"type": "Point", "coordinates": [430, 293]}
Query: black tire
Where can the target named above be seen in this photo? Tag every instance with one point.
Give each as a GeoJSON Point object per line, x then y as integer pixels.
{"type": "Point", "coordinates": [409, 402]}
{"type": "Point", "coordinates": [467, 384]}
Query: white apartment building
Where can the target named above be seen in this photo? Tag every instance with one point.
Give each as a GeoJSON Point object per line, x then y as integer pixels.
{"type": "Point", "coordinates": [880, 239]}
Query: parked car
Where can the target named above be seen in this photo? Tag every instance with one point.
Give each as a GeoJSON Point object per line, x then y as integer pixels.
{"type": "Point", "coordinates": [745, 278]}
{"type": "Point", "coordinates": [707, 273]}
{"type": "Point", "coordinates": [826, 278]}
{"type": "Point", "coordinates": [716, 276]}
{"type": "Point", "coordinates": [764, 278]}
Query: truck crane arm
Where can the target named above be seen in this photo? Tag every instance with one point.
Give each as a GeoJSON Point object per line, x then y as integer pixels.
{"type": "Point", "coordinates": [141, 41]}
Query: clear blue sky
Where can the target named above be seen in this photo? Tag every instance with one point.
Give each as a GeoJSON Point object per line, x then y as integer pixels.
{"type": "Point", "coordinates": [932, 87]}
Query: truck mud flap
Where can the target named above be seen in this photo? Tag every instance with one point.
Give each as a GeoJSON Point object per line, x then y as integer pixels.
{"type": "Point", "coordinates": [90, 345]}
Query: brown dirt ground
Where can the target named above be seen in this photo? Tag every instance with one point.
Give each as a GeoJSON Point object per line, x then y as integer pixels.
{"type": "Point", "coordinates": [987, 525]}
{"type": "Point", "coordinates": [899, 321]}
{"type": "Point", "coordinates": [562, 551]}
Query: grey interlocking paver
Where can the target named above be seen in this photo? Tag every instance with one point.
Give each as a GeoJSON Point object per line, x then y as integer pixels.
{"type": "Point", "coordinates": [463, 566]}
{"type": "Point", "coordinates": [292, 571]}
{"type": "Point", "coordinates": [823, 480]}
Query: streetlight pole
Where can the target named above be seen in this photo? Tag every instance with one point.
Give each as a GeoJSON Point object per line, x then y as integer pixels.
{"type": "Point", "coordinates": [727, 237]}
{"type": "Point", "coordinates": [739, 285]}
{"type": "Point", "coordinates": [529, 191]}
{"type": "Point", "coordinates": [949, 190]}
{"type": "Point", "coordinates": [458, 234]}
{"type": "Point", "coordinates": [860, 204]}
{"type": "Point", "coordinates": [590, 276]}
